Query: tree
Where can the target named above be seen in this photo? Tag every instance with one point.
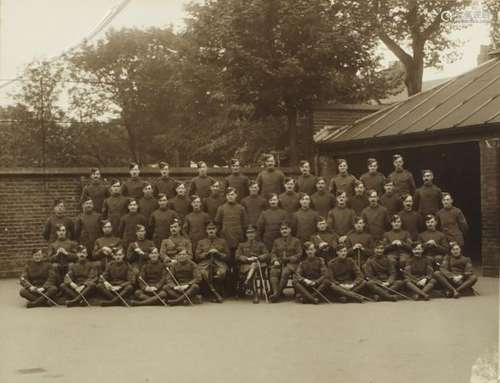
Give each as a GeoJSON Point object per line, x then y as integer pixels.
{"type": "Point", "coordinates": [414, 30]}
{"type": "Point", "coordinates": [281, 56]}
{"type": "Point", "coordinates": [493, 7]}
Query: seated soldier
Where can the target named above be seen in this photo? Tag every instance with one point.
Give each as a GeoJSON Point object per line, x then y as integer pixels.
{"type": "Point", "coordinates": [455, 273]}
{"type": "Point", "coordinates": [212, 253]}
{"type": "Point", "coordinates": [183, 280]}
{"type": "Point", "coordinates": [137, 251]}
{"type": "Point", "coordinates": [174, 243]}
{"type": "Point", "coordinates": [344, 278]}
{"type": "Point", "coordinates": [434, 242]}
{"type": "Point", "coordinates": [117, 281]}
{"type": "Point", "coordinates": [380, 270]}
{"type": "Point", "coordinates": [151, 280]}
{"type": "Point", "coordinates": [359, 242]}
{"type": "Point", "coordinates": [325, 241]}
{"type": "Point", "coordinates": [419, 274]}
{"type": "Point", "coordinates": [309, 276]}
{"type": "Point", "coordinates": [252, 257]}
{"type": "Point", "coordinates": [38, 281]}
{"type": "Point", "coordinates": [398, 242]}
{"type": "Point", "coordinates": [61, 253]}
{"type": "Point", "coordinates": [103, 246]}
{"type": "Point", "coordinates": [285, 258]}
{"type": "Point", "coordinates": [79, 282]}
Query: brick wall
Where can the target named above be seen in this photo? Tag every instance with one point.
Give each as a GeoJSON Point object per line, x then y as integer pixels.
{"type": "Point", "coordinates": [26, 200]}
{"type": "Point", "coordinates": [490, 205]}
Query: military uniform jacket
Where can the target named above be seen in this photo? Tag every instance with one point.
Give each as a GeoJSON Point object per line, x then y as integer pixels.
{"type": "Point", "coordinates": [128, 225]}
{"type": "Point", "coordinates": [268, 225]}
{"type": "Point", "coordinates": [456, 266]}
{"type": "Point", "coordinates": [428, 199]}
{"type": "Point", "coordinates": [38, 274]}
{"type": "Point", "coordinates": [377, 220]}
{"type": "Point", "coordinates": [211, 204]}
{"type": "Point", "coordinates": [441, 247]}
{"type": "Point", "coordinates": [341, 220]}
{"type": "Point", "coordinates": [289, 201]}
{"type": "Point", "coordinates": [287, 251]}
{"type": "Point", "coordinates": [403, 182]}
{"type": "Point", "coordinates": [181, 205]}
{"type": "Point", "coordinates": [232, 218]}
{"type": "Point", "coordinates": [173, 244]}
{"type": "Point", "coordinates": [363, 238]}
{"type": "Point", "coordinates": [147, 206]}
{"type": "Point", "coordinates": [343, 182]}
{"type": "Point", "coordinates": [239, 182]}
{"type": "Point", "coordinates": [453, 224]}
{"type": "Point", "coordinates": [106, 241]}
{"type": "Point", "coordinates": [313, 269]}
{"type": "Point", "coordinates": [153, 273]}
{"type": "Point", "coordinates": [373, 181]}
{"type": "Point", "coordinates": [306, 184]}
{"type": "Point", "coordinates": [251, 249]}
{"type": "Point", "coordinates": [68, 245]}
{"type": "Point", "coordinates": [119, 274]}
{"type": "Point", "coordinates": [88, 229]}
{"type": "Point", "coordinates": [204, 258]}
{"type": "Point", "coordinates": [418, 268]}
{"type": "Point", "coordinates": [254, 205]}
{"type": "Point", "coordinates": [380, 269]}
{"type": "Point", "coordinates": [304, 223]}
{"type": "Point", "coordinates": [82, 273]}
{"type": "Point", "coordinates": [323, 202]}
{"type": "Point", "coordinates": [201, 186]}
{"type": "Point", "coordinates": [50, 228]}
{"type": "Point", "coordinates": [358, 203]}
{"type": "Point", "coordinates": [165, 185]}
{"type": "Point", "coordinates": [325, 236]}
{"type": "Point", "coordinates": [133, 188]}
{"type": "Point", "coordinates": [195, 226]}
{"type": "Point", "coordinates": [159, 224]}
{"type": "Point", "coordinates": [135, 257]}
{"type": "Point", "coordinates": [184, 272]}
{"type": "Point", "coordinates": [400, 235]}
{"type": "Point", "coordinates": [97, 191]}
{"type": "Point", "coordinates": [411, 222]}
{"type": "Point", "coordinates": [113, 209]}
{"type": "Point", "coordinates": [270, 181]}
{"type": "Point", "coordinates": [342, 270]}
{"type": "Point", "coordinates": [392, 202]}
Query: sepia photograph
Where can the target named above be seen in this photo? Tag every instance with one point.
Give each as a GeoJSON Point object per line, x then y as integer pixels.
{"type": "Point", "coordinates": [245, 191]}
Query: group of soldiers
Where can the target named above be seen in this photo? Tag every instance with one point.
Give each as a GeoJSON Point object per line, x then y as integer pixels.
{"type": "Point", "coordinates": [139, 243]}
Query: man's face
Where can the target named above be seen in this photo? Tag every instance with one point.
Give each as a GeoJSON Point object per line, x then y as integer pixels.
{"type": "Point", "coordinates": [270, 163]}
{"type": "Point", "coordinates": [61, 233]}
{"type": "Point", "coordinates": [342, 167]}
{"type": "Point", "coordinates": [215, 188]}
{"type": "Point", "coordinates": [342, 253]}
{"type": "Point", "coordinates": [196, 203]}
{"type": "Point", "coordinates": [211, 232]}
{"type": "Point", "coordinates": [59, 209]}
{"type": "Point", "coordinates": [115, 189]}
{"type": "Point", "coordinates": [118, 255]}
{"type": "Point", "coordinates": [408, 203]}
{"type": "Point", "coordinates": [373, 167]}
{"type": "Point", "coordinates": [455, 251]}
{"type": "Point", "coordinates": [181, 190]}
{"type": "Point", "coordinates": [165, 171]}
{"type": "Point", "coordinates": [289, 186]}
{"type": "Point", "coordinates": [141, 234]}
{"type": "Point", "coordinates": [305, 202]}
{"type": "Point", "coordinates": [431, 224]}
{"type": "Point", "coordinates": [418, 251]}
{"type": "Point", "coordinates": [154, 255]}
{"type": "Point", "coordinates": [359, 226]}
{"type": "Point", "coordinates": [341, 199]}
{"type": "Point", "coordinates": [389, 188]}
{"type": "Point", "coordinates": [107, 228]}
{"type": "Point", "coordinates": [396, 224]}
{"type": "Point", "coordinates": [134, 172]}
{"type": "Point", "coordinates": [132, 207]}
{"type": "Point", "coordinates": [447, 201]}
{"type": "Point", "coordinates": [95, 175]}
{"type": "Point", "coordinates": [373, 199]}
{"type": "Point", "coordinates": [322, 225]}
{"type": "Point", "coordinates": [182, 256]}
{"type": "Point", "coordinates": [285, 231]}
{"type": "Point", "coordinates": [428, 177]}
{"type": "Point", "coordinates": [175, 228]}
{"type": "Point", "coordinates": [254, 189]}
{"type": "Point", "coordinates": [88, 206]}
{"type": "Point", "coordinates": [379, 251]}
{"type": "Point", "coordinates": [202, 170]}
{"type": "Point", "coordinates": [82, 255]}
{"type": "Point", "coordinates": [273, 201]}
{"type": "Point", "coordinates": [148, 191]}
{"type": "Point", "coordinates": [38, 256]}
{"type": "Point", "coordinates": [359, 189]}
{"type": "Point", "coordinates": [321, 185]}
{"type": "Point", "coordinates": [163, 202]}
{"type": "Point", "coordinates": [251, 235]}
{"type": "Point", "coordinates": [235, 168]}
{"type": "Point", "coordinates": [231, 197]}
{"type": "Point", "coordinates": [305, 169]}
{"type": "Point", "coordinates": [398, 163]}
{"type": "Point", "coordinates": [310, 251]}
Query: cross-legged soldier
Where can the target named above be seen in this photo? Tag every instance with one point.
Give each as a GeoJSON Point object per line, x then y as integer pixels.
{"type": "Point", "coordinates": [38, 281]}
{"type": "Point", "coordinates": [309, 276]}
{"type": "Point", "coordinates": [151, 280]}
{"type": "Point", "coordinates": [79, 282]}
{"type": "Point", "coordinates": [419, 274]}
{"type": "Point", "coordinates": [117, 281]}
{"type": "Point", "coordinates": [183, 280]}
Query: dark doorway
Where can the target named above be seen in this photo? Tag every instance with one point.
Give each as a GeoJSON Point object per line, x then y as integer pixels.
{"type": "Point", "coordinates": [456, 170]}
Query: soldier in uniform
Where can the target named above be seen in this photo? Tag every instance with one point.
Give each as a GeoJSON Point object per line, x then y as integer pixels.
{"type": "Point", "coordinates": [195, 223]}
{"type": "Point", "coordinates": [58, 218]}
{"type": "Point", "coordinates": [398, 242]}
{"type": "Point", "coordinates": [434, 242]}
{"type": "Point", "coordinates": [151, 281]}
{"type": "Point", "coordinates": [341, 218]}
{"type": "Point", "coordinates": [456, 273]}
{"type": "Point", "coordinates": [164, 184]}
{"type": "Point", "coordinates": [343, 181]}
{"type": "Point", "coordinates": [115, 206]}
{"type": "Point", "coordinates": [183, 280]}
{"type": "Point", "coordinates": [376, 216]}
{"type": "Point", "coordinates": [61, 253]}
{"type": "Point", "coordinates": [147, 203]}
{"type": "Point", "coordinates": [412, 221]}
{"type": "Point", "coordinates": [253, 203]}
{"type": "Point", "coordinates": [137, 250]}
{"type": "Point", "coordinates": [214, 200]}
{"type": "Point", "coordinates": [271, 179]}
{"type": "Point", "coordinates": [419, 275]}
{"type": "Point", "coordinates": [212, 254]}
{"type": "Point", "coordinates": [373, 179]}
{"type": "Point", "coordinates": [200, 185]}
{"type": "Point", "coordinates": [252, 257]}
{"type": "Point", "coordinates": [322, 200]}
{"type": "Point", "coordinates": [428, 196]}
{"type": "Point", "coordinates": [160, 220]}
{"type": "Point", "coordinates": [96, 190]}
{"type": "Point", "coordinates": [403, 180]}
{"type": "Point", "coordinates": [325, 241]}
{"type": "Point", "coordinates": [129, 222]}
{"type": "Point", "coordinates": [359, 243]}
{"type": "Point", "coordinates": [305, 219]}
{"type": "Point", "coordinates": [117, 280]}
{"type": "Point", "coordinates": [268, 224]}
{"type": "Point", "coordinates": [38, 281]}
{"type": "Point", "coordinates": [104, 245]}
{"type": "Point", "coordinates": [359, 200]}
{"type": "Point", "coordinates": [289, 199]}
{"type": "Point", "coordinates": [390, 200]}
{"type": "Point", "coordinates": [88, 226]}
{"type": "Point", "coordinates": [237, 180]}
{"type": "Point", "coordinates": [181, 203]}
{"type": "Point", "coordinates": [309, 276]}
{"type": "Point", "coordinates": [306, 183]}
{"type": "Point", "coordinates": [80, 279]}
{"type": "Point", "coordinates": [132, 188]}
{"type": "Point", "coordinates": [175, 243]}
{"type": "Point", "coordinates": [452, 221]}
{"type": "Point", "coordinates": [285, 258]}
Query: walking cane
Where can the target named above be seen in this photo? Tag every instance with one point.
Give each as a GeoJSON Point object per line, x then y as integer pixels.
{"type": "Point", "coordinates": [379, 284]}
{"type": "Point", "coordinates": [315, 289]}
{"type": "Point", "coordinates": [41, 293]}
{"type": "Point", "coordinates": [116, 292]}
{"type": "Point", "coordinates": [154, 292]}
{"type": "Point", "coordinates": [79, 293]}
{"type": "Point", "coordinates": [264, 287]}
{"type": "Point", "coordinates": [178, 284]}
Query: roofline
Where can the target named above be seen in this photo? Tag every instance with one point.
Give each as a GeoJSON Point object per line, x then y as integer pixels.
{"type": "Point", "coordinates": [471, 133]}
{"type": "Point", "coordinates": [326, 106]}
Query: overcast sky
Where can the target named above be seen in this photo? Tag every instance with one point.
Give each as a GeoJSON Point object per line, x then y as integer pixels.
{"type": "Point", "coordinates": [40, 29]}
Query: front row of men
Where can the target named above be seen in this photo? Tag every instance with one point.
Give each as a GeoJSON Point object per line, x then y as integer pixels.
{"type": "Point", "coordinates": [148, 277]}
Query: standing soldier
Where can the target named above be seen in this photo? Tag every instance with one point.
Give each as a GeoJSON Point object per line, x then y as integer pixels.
{"type": "Point", "coordinates": [200, 185]}
{"type": "Point", "coordinates": [343, 181]}
{"type": "Point", "coordinates": [212, 254]}
{"type": "Point", "coordinates": [61, 252]}
{"type": "Point", "coordinates": [412, 221]}
{"type": "Point", "coordinates": [214, 200]}
{"type": "Point", "coordinates": [129, 222]}
{"type": "Point", "coordinates": [252, 257]}
{"type": "Point", "coordinates": [305, 219]}
{"type": "Point", "coordinates": [289, 199]}
{"type": "Point", "coordinates": [341, 218]}
{"type": "Point", "coordinates": [309, 276]}
{"type": "Point", "coordinates": [428, 196]}
{"type": "Point", "coordinates": [79, 282]}
{"type": "Point", "coordinates": [375, 216]}
{"type": "Point", "coordinates": [373, 179]}
{"type": "Point", "coordinates": [237, 180]}
{"type": "Point", "coordinates": [160, 220]}
{"type": "Point", "coordinates": [132, 188]}
{"type": "Point", "coordinates": [183, 280]}
{"type": "Point", "coordinates": [402, 178]}
{"type": "Point", "coordinates": [390, 200]}
{"type": "Point", "coordinates": [195, 223]}
{"type": "Point", "coordinates": [285, 258]}
{"type": "Point", "coordinates": [175, 243]}
{"type": "Point", "coordinates": [419, 274]}
{"type": "Point", "coordinates": [452, 221]}
{"type": "Point", "coordinates": [268, 224]}
{"type": "Point", "coordinates": [38, 281]}
{"type": "Point", "coordinates": [164, 184]}
{"type": "Point", "coordinates": [271, 179]}
{"type": "Point", "coordinates": [181, 203]}
{"type": "Point", "coordinates": [322, 201]}
{"type": "Point", "coordinates": [137, 250]}
{"type": "Point", "coordinates": [325, 241]}
{"type": "Point", "coordinates": [151, 280]}
{"type": "Point", "coordinates": [434, 242]}
{"type": "Point", "coordinates": [306, 183]}
{"type": "Point", "coordinates": [117, 281]}
{"type": "Point", "coordinates": [96, 190]}
{"type": "Point", "coordinates": [58, 218]}
{"type": "Point", "coordinates": [115, 206]}
{"type": "Point", "coordinates": [359, 200]}
{"type": "Point", "coordinates": [88, 226]}
{"type": "Point", "coordinates": [103, 246]}
{"type": "Point", "coordinates": [147, 203]}
{"type": "Point", "coordinates": [254, 204]}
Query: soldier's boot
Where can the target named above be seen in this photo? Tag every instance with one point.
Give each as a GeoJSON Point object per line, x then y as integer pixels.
{"type": "Point", "coordinates": [275, 286]}
{"type": "Point", "coordinates": [469, 282]}
{"type": "Point", "coordinates": [381, 292]}
{"type": "Point", "coordinates": [181, 299]}
{"type": "Point", "coordinates": [347, 294]}
{"type": "Point", "coordinates": [255, 297]}
{"type": "Point", "coordinates": [305, 293]}
{"type": "Point", "coordinates": [443, 281]}
{"type": "Point", "coordinates": [417, 293]}
{"type": "Point", "coordinates": [110, 297]}
{"type": "Point", "coordinates": [39, 302]}
{"type": "Point", "coordinates": [217, 298]}
{"type": "Point", "coordinates": [428, 287]}
{"type": "Point", "coordinates": [151, 301]}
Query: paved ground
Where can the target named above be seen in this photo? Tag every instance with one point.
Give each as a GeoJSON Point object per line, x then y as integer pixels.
{"type": "Point", "coordinates": [404, 342]}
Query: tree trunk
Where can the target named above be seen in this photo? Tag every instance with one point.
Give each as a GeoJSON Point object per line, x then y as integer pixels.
{"type": "Point", "coordinates": [414, 76]}
{"type": "Point", "coordinates": [132, 142]}
{"type": "Point", "coordinates": [292, 135]}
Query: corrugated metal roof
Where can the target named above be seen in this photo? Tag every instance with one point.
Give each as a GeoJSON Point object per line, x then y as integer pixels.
{"type": "Point", "coordinates": [468, 100]}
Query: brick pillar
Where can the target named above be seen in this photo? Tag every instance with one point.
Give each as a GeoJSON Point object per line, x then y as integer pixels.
{"type": "Point", "coordinates": [490, 206]}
